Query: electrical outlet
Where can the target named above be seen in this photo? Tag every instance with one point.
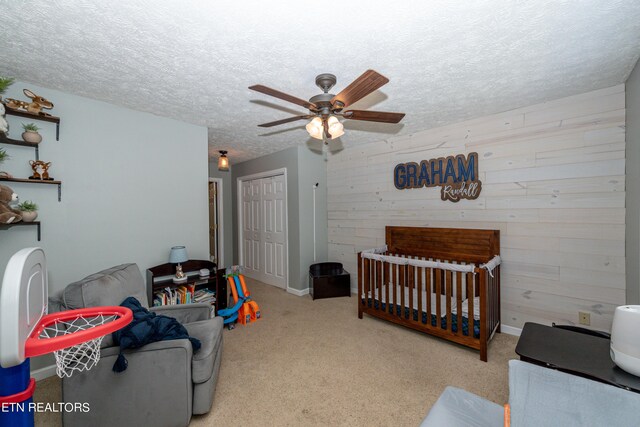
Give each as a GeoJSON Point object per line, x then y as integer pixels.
{"type": "Point", "coordinates": [585, 318]}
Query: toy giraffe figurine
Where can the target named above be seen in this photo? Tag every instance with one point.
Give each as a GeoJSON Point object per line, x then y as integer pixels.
{"type": "Point", "coordinates": [45, 171]}
{"type": "Point", "coordinates": [35, 165]}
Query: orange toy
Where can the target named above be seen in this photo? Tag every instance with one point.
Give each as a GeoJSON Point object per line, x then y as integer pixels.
{"type": "Point", "coordinates": [255, 310]}
{"type": "Point", "coordinates": [244, 286]}
{"type": "Point", "coordinates": [249, 310]}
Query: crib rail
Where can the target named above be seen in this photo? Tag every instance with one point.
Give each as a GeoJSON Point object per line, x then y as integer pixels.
{"type": "Point", "coordinates": [456, 301]}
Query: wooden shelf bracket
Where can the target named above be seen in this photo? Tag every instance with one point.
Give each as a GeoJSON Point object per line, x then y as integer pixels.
{"type": "Point", "coordinates": [36, 223]}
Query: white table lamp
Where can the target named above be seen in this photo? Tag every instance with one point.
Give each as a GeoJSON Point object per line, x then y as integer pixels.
{"type": "Point", "coordinates": [178, 255]}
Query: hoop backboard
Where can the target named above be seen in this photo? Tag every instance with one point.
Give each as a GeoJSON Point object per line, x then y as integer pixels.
{"type": "Point", "coordinates": [23, 302]}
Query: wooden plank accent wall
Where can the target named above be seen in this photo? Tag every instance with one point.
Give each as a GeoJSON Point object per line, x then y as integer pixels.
{"type": "Point", "coordinates": [553, 183]}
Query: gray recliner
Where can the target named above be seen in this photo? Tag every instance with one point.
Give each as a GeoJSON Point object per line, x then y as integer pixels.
{"type": "Point", "coordinates": [165, 382]}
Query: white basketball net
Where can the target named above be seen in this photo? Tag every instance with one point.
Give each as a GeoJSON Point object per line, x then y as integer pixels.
{"type": "Point", "coordinates": [80, 357]}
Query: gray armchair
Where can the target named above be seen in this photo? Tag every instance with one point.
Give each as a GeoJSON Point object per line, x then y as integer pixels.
{"type": "Point", "coordinates": [165, 382]}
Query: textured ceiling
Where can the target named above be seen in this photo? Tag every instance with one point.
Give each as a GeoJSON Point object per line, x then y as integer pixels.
{"type": "Point", "coordinates": [193, 60]}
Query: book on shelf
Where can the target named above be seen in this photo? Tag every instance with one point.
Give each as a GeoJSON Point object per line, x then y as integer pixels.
{"type": "Point", "coordinates": [185, 294]}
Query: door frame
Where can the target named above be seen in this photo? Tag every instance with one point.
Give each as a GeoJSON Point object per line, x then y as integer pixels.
{"type": "Point", "coordinates": [220, 218]}
{"type": "Point", "coordinates": [259, 175]}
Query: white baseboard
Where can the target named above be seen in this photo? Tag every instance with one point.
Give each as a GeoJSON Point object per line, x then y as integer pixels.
{"type": "Point", "coordinates": [298, 292]}
{"type": "Point", "coordinates": [510, 330]}
{"type": "Point", "coordinates": [42, 373]}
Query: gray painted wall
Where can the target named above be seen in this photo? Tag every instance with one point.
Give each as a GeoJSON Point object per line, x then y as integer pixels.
{"type": "Point", "coordinates": [632, 201]}
{"type": "Point", "coordinates": [134, 185]}
{"type": "Point", "coordinates": [227, 211]}
{"type": "Point", "coordinates": [284, 159]}
{"type": "Point", "coordinates": [304, 168]}
{"type": "Point", "coordinates": [312, 168]}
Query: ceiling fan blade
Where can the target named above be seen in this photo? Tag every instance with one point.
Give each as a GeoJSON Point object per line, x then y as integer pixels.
{"type": "Point", "coordinates": [283, 121]}
{"type": "Point", "coordinates": [373, 116]}
{"type": "Point", "coordinates": [362, 86]}
{"type": "Point", "coordinates": [283, 96]}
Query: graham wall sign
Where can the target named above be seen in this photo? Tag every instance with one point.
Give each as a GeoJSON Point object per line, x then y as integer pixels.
{"type": "Point", "coordinates": [457, 176]}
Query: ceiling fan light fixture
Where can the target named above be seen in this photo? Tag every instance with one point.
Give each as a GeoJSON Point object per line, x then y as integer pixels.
{"type": "Point", "coordinates": [324, 108]}
{"type": "Point", "coordinates": [223, 161]}
{"type": "Point", "coordinates": [336, 129]}
{"type": "Point", "coordinates": [315, 129]}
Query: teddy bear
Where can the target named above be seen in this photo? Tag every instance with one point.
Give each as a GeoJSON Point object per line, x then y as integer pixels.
{"type": "Point", "coordinates": [7, 214]}
{"type": "Point", "coordinates": [4, 126]}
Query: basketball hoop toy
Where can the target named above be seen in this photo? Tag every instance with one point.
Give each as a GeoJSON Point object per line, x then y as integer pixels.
{"type": "Point", "coordinates": [26, 330]}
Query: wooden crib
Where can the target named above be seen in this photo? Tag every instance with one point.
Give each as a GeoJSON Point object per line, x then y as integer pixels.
{"type": "Point", "coordinates": [434, 280]}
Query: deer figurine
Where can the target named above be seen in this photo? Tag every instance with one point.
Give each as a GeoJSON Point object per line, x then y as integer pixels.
{"type": "Point", "coordinates": [34, 107]}
{"type": "Point", "coordinates": [35, 165]}
{"type": "Point", "coordinates": [45, 171]}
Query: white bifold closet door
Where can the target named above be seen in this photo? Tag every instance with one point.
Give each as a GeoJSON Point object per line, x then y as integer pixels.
{"type": "Point", "coordinates": [264, 245]}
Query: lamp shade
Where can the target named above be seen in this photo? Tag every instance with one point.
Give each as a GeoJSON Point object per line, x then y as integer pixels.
{"type": "Point", "coordinates": [223, 161]}
{"type": "Point", "coordinates": [336, 129]}
{"type": "Point", "coordinates": [315, 129]}
{"type": "Point", "coordinates": [178, 254]}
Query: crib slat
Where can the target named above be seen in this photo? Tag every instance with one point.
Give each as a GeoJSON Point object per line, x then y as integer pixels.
{"type": "Point", "coordinates": [419, 286]}
{"type": "Point", "coordinates": [492, 301]}
{"type": "Point", "coordinates": [483, 315]}
{"type": "Point", "coordinates": [411, 276]}
{"type": "Point", "coordinates": [403, 272]}
{"type": "Point", "coordinates": [438, 278]}
{"type": "Point", "coordinates": [448, 279]}
{"type": "Point", "coordinates": [385, 283]}
{"type": "Point", "coordinates": [373, 282]}
{"type": "Point", "coordinates": [367, 280]}
{"type": "Point", "coordinates": [497, 299]}
{"type": "Point", "coordinates": [360, 304]}
{"type": "Point", "coordinates": [470, 294]}
{"type": "Point", "coordinates": [459, 301]}
{"type": "Point", "coordinates": [379, 283]}
{"type": "Point", "coordinates": [394, 283]}
{"type": "Point", "coordinates": [427, 283]}
{"type": "Point", "coordinates": [492, 306]}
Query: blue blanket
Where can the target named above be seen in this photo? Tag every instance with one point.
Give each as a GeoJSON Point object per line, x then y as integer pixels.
{"type": "Point", "coordinates": [145, 328]}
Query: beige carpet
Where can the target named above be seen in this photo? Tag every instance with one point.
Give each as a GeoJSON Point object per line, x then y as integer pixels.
{"type": "Point", "coordinates": [315, 363]}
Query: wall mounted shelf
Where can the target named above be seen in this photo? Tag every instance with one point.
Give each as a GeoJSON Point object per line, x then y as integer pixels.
{"type": "Point", "coordinates": [37, 181]}
{"type": "Point", "coordinates": [52, 119]}
{"type": "Point", "coordinates": [20, 143]}
{"type": "Point", "coordinates": [18, 224]}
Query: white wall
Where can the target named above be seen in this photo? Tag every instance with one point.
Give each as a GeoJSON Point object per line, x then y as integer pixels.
{"type": "Point", "coordinates": [134, 185]}
{"type": "Point", "coordinates": [553, 183]}
{"type": "Point", "coordinates": [633, 186]}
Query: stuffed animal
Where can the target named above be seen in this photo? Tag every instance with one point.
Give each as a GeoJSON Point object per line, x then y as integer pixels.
{"type": "Point", "coordinates": [7, 214]}
{"type": "Point", "coordinates": [4, 126]}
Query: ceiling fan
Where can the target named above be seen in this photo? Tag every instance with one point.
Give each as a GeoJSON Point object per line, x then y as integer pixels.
{"type": "Point", "coordinates": [325, 108]}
